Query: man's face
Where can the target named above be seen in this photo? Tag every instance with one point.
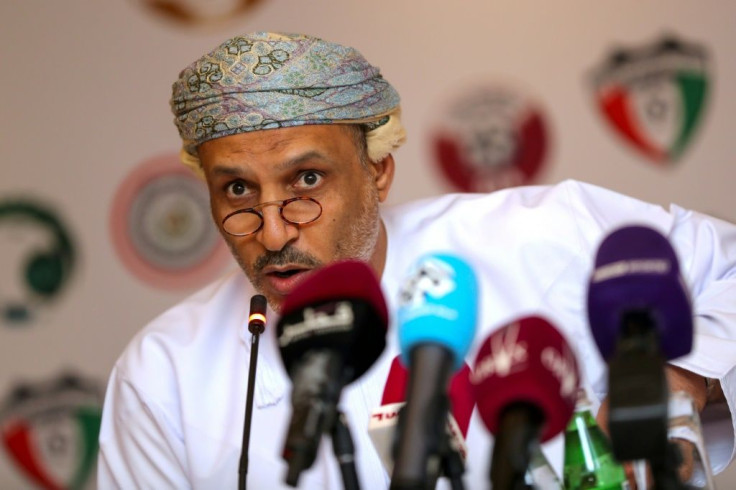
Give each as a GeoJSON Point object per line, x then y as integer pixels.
{"type": "Point", "coordinates": [318, 161]}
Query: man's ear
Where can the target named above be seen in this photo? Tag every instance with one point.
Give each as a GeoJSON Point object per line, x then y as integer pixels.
{"type": "Point", "coordinates": [383, 176]}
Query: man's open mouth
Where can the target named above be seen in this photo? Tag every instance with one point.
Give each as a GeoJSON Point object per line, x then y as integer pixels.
{"type": "Point", "coordinates": [288, 273]}
{"type": "Point", "coordinates": [283, 281]}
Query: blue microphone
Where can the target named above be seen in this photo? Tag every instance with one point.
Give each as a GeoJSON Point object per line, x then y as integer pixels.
{"type": "Point", "coordinates": [438, 312]}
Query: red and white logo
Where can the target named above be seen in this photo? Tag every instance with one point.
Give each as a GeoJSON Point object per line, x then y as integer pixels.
{"type": "Point", "coordinates": [507, 355]}
{"type": "Point", "coordinates": [562, 367]}
{"type": "Point", "coordinates": [490, 137]}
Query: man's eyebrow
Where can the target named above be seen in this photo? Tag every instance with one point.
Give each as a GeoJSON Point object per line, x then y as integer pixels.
{"type": "Point", "coordinates": [299, 159]}
{"type": "Point", "coordinates": [228, 170]}
{"type": "Point", "coordinates": [234, 170]}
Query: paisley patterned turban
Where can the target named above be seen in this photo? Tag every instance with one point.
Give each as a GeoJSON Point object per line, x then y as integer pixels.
{"type": "Point", "coordinates": [268, 80]}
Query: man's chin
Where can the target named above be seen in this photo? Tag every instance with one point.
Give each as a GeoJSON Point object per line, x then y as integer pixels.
{"type": "Point", "coordinates": [275, 303]}
{"type": "Point", "coordinates": [276, 289]}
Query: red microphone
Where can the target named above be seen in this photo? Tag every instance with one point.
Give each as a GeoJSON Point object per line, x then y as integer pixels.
{"type": "Point", "coordinates": [462, 398]}
{"type": "Point", "coordinates": [526, 379]}
{"type": "Point", "coordinates": [382, 426]}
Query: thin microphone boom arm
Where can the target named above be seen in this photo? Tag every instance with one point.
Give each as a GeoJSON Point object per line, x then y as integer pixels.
{"type": "Point", "coordinates": [256, 326]}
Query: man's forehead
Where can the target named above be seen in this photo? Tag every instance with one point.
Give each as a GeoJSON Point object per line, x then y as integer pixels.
{"type": "Point", "coordinates": [281, 139]}
{"type": "Point", "coordinates": [282, 148]}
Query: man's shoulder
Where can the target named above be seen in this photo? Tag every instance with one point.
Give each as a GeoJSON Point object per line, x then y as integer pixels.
{"type": "Point", "coordinates": [502, 200]}
{"type": "Point", "coordinates": [230, 290]}
{"type": "Point", "coordinates": [213, 314]}
{"type": "Point", "coordinates": [547, 203]}
{"type": "Point", "coordinates": [570, 215]}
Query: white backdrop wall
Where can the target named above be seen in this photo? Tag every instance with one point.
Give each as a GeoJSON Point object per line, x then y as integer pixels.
{"type": "Point", "coordinates": [84, 91]}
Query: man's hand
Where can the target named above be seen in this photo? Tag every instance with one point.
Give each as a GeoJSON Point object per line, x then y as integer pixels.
{"type": "Point", "coordinates": [678, 379]}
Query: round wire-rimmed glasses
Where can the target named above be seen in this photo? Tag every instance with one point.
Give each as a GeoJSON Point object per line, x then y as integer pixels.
{"type": "Point", "coordinates": [298, 210]}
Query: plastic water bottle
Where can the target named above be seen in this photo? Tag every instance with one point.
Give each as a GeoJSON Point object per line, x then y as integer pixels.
{"type": "Point", "coordinates": [589, 459]}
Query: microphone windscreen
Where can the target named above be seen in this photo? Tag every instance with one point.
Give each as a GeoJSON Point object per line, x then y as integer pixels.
{"type": "Point", "coordinates": [339, 307]}
{"type": "Point", "coordinates": [257, 314]}
{"type": "Point", "coordinates": [258, 305]}
{"type": "Point", "coordinates": [527, 361]}
{"type": "Point", "coordinates": [636, 270]}
{"type": "Point", "coordinates": [439, 304]}
{"type": "Point", "coordinates": [346, 279]}
{"type": "Point", "coordinates": [462, 398]}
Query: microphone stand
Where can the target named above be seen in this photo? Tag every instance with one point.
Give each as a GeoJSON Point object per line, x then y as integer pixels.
{"type": "Point", "coordinates": [520, 428]}
{"type": "Point", "coordinates": [422, 422]}
{"type": "Point", "coordinates": [665, 473]}
{"type": "Point", "coordinates": [452, 464]}
{"type": "Point", "coordinates": [639, 399]}
{"type": "Point", "coordinates": [342, 445]}
{"type": "Point", "coordinates": [256, 326]}
{"type": "Point", "coordinates": [316, 413]}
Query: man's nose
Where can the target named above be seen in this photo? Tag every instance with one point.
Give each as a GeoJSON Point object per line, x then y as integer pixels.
{"type": "Point", "coordinates": [275, 233]}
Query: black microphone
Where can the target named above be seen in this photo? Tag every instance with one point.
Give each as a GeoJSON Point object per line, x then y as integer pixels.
{"type": "Point", "coordinates": [257, 317]}
{"type": "Point", "coordinates": [640, 316]}
{"type": "Point", "coordinates": [256, 326]}
{"type": "Point", "coordinates": [332, 329]}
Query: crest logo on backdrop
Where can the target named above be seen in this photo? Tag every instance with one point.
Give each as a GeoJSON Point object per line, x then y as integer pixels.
{"type": "Point", "coordinates": [37, 255]}
{"type": "Point", "coordinates": [654, 95]}
{"type": "Point", "coordinates": [49, 430]}
{"type": "Point", "coordinates": [161, 226]}
{"type": "Point", "coordinates": [490, 137]}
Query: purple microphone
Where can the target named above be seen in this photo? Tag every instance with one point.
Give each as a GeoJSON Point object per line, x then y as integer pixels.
{"type": "Point", "coordinates": [640, 316]}
{"type": "Point", "coordinates": [636, 271]}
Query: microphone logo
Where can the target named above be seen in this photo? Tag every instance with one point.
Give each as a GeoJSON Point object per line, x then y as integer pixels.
{"type": "Point", "coordinates": [562, 366]}
{"type": "Point", "coordinates": [319, 322]}
{"type": "Point", "coordinates": [507, 355]}
{"type": "Point", "coordinates": [635, 266]}
{"type": "Point", "coordinates": [433, 278]}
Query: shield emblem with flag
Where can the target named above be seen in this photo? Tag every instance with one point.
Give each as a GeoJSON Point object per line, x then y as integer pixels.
{"type": "Point", "coordinates": [49, 431]}
{"type": "Point", "coordinates": [654, 96]}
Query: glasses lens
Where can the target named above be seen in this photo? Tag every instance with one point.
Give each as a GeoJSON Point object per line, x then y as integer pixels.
{"type": "Point", "coordinates": [242, 223]}
{"type": "Point", "coordinates": [301, 211]}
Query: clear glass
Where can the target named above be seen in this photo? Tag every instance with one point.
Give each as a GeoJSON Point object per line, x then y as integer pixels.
{"type": "Point", "coordinates": [684, 423]}
{"type": "Point", "coordinates": [296, 211]}
{"type": "Point", "coordinates": [540, 474]}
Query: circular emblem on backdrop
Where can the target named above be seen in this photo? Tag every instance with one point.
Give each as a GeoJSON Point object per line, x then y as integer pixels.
{"type": "Point", "coordinates": [653, 95]}
{"type": "Point", "coordinates": [161, 226]}
{"type": "Point", "coordinates": [49, 430]}
{"type": "Point", "coordinates": [489, 137]}
{"type": "Point", "coordinates": [197, 12]}
{"type": "Point", "coordinates": [37, 255]}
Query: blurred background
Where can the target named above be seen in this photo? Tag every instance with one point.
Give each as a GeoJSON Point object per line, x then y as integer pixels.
{"type": "Point", "coordinates": [101, 229]}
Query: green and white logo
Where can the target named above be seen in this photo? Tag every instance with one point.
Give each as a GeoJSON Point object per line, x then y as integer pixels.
{"type": "Point", "coordinates": [37, 255]}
